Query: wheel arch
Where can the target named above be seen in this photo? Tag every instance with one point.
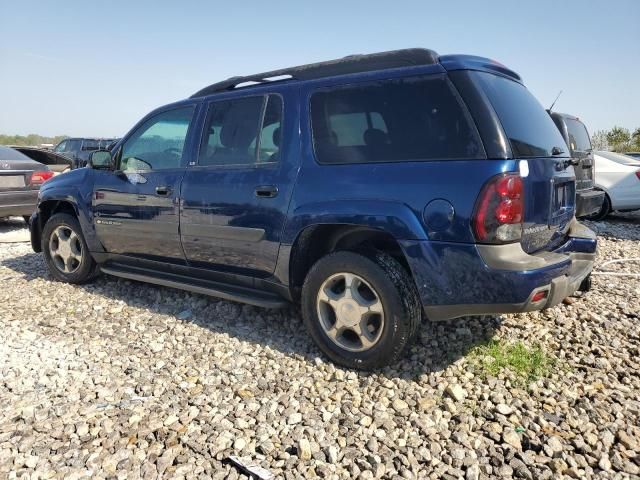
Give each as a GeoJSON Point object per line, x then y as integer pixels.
{"type": "Point", "coordinates": [316, 241]}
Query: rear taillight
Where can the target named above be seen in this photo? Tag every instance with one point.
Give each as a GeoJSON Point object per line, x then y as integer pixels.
{"type": "Point", "coordinates": [638, 174]}
{"type": "Point", "coordinates": [38, 178]}
{"type": "Point", "coordinates": [499, 211]}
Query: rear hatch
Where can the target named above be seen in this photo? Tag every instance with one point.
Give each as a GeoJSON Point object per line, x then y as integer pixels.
{"type": "Point", "coordinates": [580, 148]}
{"type": "Point", "coordinates": [541, 158]}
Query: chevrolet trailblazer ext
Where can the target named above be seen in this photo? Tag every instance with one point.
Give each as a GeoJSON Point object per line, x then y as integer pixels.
{"type": "Point", "coordinates": [375, 190]}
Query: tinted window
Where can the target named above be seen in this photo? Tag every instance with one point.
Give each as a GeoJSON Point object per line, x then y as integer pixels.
{"type": "Point", "coordinates": [529, 128]}
{"type": "Point", "coordinates": [416, 118]}
{"type": "Point", "coordinates": [158, 143]}
{"type": "Point", "coordinates": [578, 136]}
{"type": "Point", "coordinates": [7, 153]}
{"type": "Point", "coordinates": [61, 147]}
{"type": "Point", "coordinates": [73, 146]}
{"type": "Point", "coordinates": [90, 145]}
{"type": "Point", "coordinates": [237, 134]}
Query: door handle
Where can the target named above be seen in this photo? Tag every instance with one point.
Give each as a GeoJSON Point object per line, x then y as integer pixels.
{"type": "Point", "coordinates": [266, 191]}
{"type": "Point", "coordinates": [163, 190]}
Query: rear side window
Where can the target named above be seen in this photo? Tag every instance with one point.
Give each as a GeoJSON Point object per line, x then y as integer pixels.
{"type": "Point", "coordinates": [89, 145]}
{"type": "Point", "coordinates": [418, 118]}
{"type": "Point", "coordinates": [578, 137]}
{"type": "Point", "coordinates": [242, 131]}
{"type": "Point", "coordinates": [529, 128]}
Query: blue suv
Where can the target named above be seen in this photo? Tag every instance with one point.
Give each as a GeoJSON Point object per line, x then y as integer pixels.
{"type": "Point", "coordinates": [375, 190]}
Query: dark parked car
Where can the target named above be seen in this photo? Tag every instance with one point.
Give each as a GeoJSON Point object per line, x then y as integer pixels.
{"type": "Point", "coordinates": [20, 180]}
{"type": "Point", "coordinates": [575, 134]}
{"type": "Point", "coordinates": [79, 149]}
{"type": "Point", "coordinates": [377, 190]}
{"type": "Point", "coordinates": [56, 163]}
{"type": "Point", "coordinates": [633, 154]}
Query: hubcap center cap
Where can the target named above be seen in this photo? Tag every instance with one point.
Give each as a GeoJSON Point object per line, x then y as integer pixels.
{"type": "Point", "coordinates": [64, 249]}
{"type": "Point", "coordinates": [349, 313]}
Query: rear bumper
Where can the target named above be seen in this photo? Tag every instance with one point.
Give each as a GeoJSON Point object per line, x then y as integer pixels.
{"type": "Point", "coordinates": [588, 202]}
{"type": "Point", "coordinates": [456, 280]}
{"type": "Point", "coordinates": [18, 203]}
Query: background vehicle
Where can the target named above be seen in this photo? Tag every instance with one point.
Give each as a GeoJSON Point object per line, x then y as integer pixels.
{"type": "Point", "coordinates": [633, 154]}
{"type": "Point", "coordinates": [618, 176]}
{"type": "Point", "coordinates": [20, 180]}
{"type": "Point", "coordinates": [56, 163]}
{"type": "Point", "coordinates": [575, 134]}
{"type": "Point", "coordinates": [374, 189]}
{"type": "Point", "coordinates": [79, 149]}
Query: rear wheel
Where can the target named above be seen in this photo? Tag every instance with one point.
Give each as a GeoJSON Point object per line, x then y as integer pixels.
{"type": "Point", "coordinates": [605, 209]}
{"type": "Point", "coordinates": [66, 251]}
{"type": "Point", "coordinates": [361, 311]}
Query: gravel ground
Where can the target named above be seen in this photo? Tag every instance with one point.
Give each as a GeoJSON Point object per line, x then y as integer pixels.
{"type": "Point", "coordinates": [124, 380]}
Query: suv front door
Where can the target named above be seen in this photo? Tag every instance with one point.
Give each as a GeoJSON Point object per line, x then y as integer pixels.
{"type": "Point", "coordinates": [236, 196]}
{"type": "Point", "coordinates": [136, 207]}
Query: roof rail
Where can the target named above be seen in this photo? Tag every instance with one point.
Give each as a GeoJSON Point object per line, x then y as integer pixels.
{"type": "Point", "coordinates": [342, 66]}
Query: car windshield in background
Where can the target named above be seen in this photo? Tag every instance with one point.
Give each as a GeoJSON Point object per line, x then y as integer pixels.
{"type": "Point", "coordinates": [619, 158]}
{"type": "Point", "coordinates": [578, 136]}
{"type": "Point", "coordinates": [7, 153]}
{"type": "Point", "coordinates": [529, 128]}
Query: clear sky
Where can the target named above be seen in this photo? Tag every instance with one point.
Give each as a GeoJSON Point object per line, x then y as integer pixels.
{"type": "Point", "coordinates": [94, 68]}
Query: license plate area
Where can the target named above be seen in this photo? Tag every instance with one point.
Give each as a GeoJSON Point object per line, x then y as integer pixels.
{"type": "Point", "coordinates": [12, 181]}
{"type": "Point", "coordinates": [562, 202]}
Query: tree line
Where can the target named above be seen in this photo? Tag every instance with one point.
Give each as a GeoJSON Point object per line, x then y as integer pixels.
{"type": "Point", "coordinates": [617, 139]}
{"type": "Point", "coordinates": [32, 139]}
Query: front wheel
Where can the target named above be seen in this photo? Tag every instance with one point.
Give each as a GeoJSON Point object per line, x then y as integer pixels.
{"type": "Point", "coordinates": [65, 250]}
{"type": "Point", "coordinates": [361, 311]}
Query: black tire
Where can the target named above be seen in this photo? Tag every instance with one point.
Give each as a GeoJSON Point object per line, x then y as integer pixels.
{"type": "Point", "coordinates": [395, 289]}
{"type": "Point", "coordinates": [86, 268]}
{"type": "Point", "coordinates": [605, 210]}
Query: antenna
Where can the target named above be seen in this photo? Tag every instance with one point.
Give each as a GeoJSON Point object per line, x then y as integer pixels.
{"type": "Point", "coordinates": [554, 102]}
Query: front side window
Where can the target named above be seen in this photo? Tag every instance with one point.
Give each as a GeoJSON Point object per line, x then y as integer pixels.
{"type": "Point", "coordinates": [578, 137]}
{"type": "Point", "coordinates": [242, 131]}
{"type": "Point", "coordinates": [61, 147]}
{"type": "Point", "coordinates": [530, 130]}
{"type": "Point", "coordinates": [409, 119]}
{"type": "Point", "coordinates": [158, 143]}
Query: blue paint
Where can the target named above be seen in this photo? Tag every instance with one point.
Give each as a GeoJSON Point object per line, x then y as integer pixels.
{"type": "Point", "coordinates": [213, 221]}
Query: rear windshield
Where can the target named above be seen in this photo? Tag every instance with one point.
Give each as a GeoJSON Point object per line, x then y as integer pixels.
{"type": "Point", "coordinates": [7, 153]}
{"type": "Point", "coordinates": [419, 118]}
{"type": "Point", "coordinates": [529, 128]}
{"type": "Point", "coordinates": [619, 158]}
{"type": "Point", "coordinates": [578, 136]}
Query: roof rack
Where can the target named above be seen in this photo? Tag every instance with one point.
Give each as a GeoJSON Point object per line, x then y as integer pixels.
{"type": "Point", "coordinates": [342, 66]}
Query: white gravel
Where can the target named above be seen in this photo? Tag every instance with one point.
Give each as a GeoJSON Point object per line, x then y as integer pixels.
{"type": "Point", "coordinates": [124, 380]}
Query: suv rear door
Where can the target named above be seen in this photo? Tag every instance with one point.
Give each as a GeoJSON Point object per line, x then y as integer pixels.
{"type": "Point", "coordinates": [236, 195]}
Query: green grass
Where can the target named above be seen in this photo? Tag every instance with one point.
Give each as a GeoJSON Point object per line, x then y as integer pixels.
{"type": "Point", "coordinates": [526, 363]}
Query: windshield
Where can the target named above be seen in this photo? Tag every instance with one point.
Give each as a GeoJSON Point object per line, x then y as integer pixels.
{"type": "Point", "coordinates": [578, 136]}
{"type": "Point", "coordinates": [530, 130]}
{"type": "Point", "coordinates": [619, 158]}
{"type": "Point", "coordinates": [7, 153]}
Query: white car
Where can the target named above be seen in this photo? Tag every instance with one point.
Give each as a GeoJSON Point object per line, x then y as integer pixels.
{"type": "Point", "coordinates": [619, 176]}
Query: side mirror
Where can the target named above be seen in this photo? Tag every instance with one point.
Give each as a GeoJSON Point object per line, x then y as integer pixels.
{"type": "Point", "coordinates": [101, 160]}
